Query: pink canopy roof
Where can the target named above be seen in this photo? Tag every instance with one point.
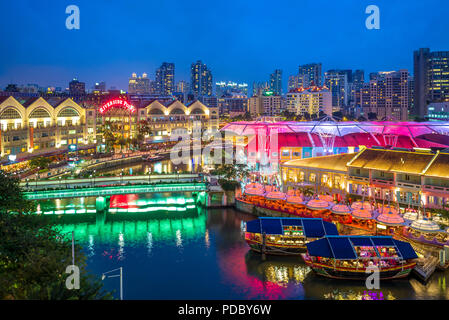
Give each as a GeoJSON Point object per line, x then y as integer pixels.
{"type": "Point", "coordinates": [275, 195]}
{"type": "Point", "coordinates": [254, 191]}
{"type": "Point", "coordinates": [363, 214]}
{"type": "Point", "coordinates": [316, 204]}
{"type": "Point", "coordinates": [390, 219]}
{"type": "Point", "coordinates": [295, 200]}
{"type": "Point", "coordinates": [327, 198]}
{"type": "Point", "coordinates": [340, 209]}
{"type": "Point", "coordinates": [412, 129]}
{"type": "Point", "coordinates": [358, 205]}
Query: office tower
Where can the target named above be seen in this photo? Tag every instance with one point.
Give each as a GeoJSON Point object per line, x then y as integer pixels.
{"type": "Point", "coordinates": [313, 72]}
{"type": "Point", "coordinates": [139, 85]}
{"type": "Point", "coordinates": [201, 79]}
{"type": "Point", "coordinates": [276, 82]}
{"type": "Point", "coordinates": [165, 79]}
{"type": "Point", "coordinates": [309, 101]}
{"type": "Point", "coordinates": [76, 87]}
{"type": "Point", "coordinates": [337, 82]}
{"type": "Point", "coordinates": [387, 96]}
{"type": "Point", "coordinates": [431, 73]}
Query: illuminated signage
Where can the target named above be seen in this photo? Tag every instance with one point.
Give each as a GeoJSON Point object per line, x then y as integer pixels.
{"type": "Point", "coordinates": [117, 103]}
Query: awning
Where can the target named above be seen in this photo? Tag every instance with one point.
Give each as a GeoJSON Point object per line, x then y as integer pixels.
{"type": "Point", "coordinates": [342, 247]}
{"type": "Point", "coordinates": [312, 227]}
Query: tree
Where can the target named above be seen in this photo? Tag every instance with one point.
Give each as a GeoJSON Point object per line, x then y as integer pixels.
{"type": "Point", "coordinates": [34, 254]}
{"type": "Point", "coordinates": [40, 162]}
{"type": "Point", "coordinates": [11, 196]}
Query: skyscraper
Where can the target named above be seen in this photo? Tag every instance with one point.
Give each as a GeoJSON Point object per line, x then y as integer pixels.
{"type": "Point", "coordinates": [313, 72]}
{"type": "Point", "coordinates": [337, 82]}
{"type": "Point", "coordinates": [276, 82]}
{"type": "Point", "coordinates": [139, 85]}
{"type": "Point", "coordinates": [298, 81]}
{"type": "Point", "coordinates": [431, 73]}
{"type": "Point", "coordinates": [201, 79]}
{"type": "Point", "coordinates": [76, 87]}
{"type": "Point", "coordinates": [165, 79]}
{"type": "Point", "coordinates": [387, 95]}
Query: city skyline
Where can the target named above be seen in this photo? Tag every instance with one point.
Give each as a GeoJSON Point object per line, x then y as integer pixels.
{"type": "Point", "coordinates": [90, 60]}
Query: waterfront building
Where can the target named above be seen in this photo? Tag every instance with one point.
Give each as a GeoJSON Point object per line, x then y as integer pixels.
{"type": "Point", "coordinates": [313, 72]}
{"type": "Point", "coordinates": [276, 82]}
{"type": "Point", "coordinates": [228, 88]}
{"type": "Point", "coordinates": [39, 126]}
{"type": "Point", "coordinates": [267, 104]}
{"type": "Point", "coordinates": [233, 103]}
{"type": "Point", "coordinates": [201, 79]}
{"type": "Point", "coordinates": [310, 101]}
{"type": "Point", "coordinates": [431, 78]}
{"type": "Point", "coordinates": [387, 96]}
{"type": "Point", "coordinates": [139, 85]}
{"type": "Point", "coordinates": [165, 79]}
{"type": "Point", "coordinates": [405, 177]}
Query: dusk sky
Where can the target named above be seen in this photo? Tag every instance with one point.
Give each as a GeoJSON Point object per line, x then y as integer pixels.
{"type": "Point", "coordinates": [240, 40]}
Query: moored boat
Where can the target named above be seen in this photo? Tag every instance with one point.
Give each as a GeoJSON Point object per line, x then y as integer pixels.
{"type": "Point", "coordinates": [285, 236]}
{"type": "Point", "coordinates": [347, 257]}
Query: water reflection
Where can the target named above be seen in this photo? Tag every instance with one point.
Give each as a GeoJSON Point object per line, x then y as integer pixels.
{"type": "Point", "coordinates": [201, 254]}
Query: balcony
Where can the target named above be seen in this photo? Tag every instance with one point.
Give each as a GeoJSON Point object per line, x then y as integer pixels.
{"type": "Point", "coordinates": [436, 189]}
{"type": "Point", "coordinates": [382, 182]}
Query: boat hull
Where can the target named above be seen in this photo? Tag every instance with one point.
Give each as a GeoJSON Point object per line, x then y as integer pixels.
{"type": "Point", "coordinates": [353, 274]}
{"type": "Point", "coordinates": [275, 249]}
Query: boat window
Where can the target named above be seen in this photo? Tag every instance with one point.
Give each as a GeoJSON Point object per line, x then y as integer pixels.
{"type": "Point", "coordinates": [365, 252]}
{"type": "Point", "coordinates": [293, 231]}
{"type": "Point", "coordinates": [387, 252]}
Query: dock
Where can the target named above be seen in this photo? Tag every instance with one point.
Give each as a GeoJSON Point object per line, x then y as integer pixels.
{"type": "Point", "coordinates": [425, 267]}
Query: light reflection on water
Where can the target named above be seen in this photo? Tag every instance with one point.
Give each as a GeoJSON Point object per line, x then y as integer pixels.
{"type": "Point", "coordinates": [199, 254]}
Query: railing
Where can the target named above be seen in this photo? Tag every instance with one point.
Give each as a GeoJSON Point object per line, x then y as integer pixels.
{"type": "Point", "coordinates": [107, 191]}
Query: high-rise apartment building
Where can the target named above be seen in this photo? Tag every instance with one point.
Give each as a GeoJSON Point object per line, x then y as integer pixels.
{"type": "Point", "coordinates": [260, 87]}
{"type": "Point", "coordinates": [313, 72]}
{"type": "Point", "coordinates": [310, 101]}
{"type": "Point", "coordinates": [431, 73]}
{"type": "Point", "coordinates": [387, 96]}
{"type": "Point", "coordinates": [165, 79]}
{"type": "Point", "coordinates": [298, 81]}
{"type": "Point", "coordinates": [276, 82]}
{"type": "Point", "coordinates": [139, 85]}
{"type": "Point", "coordinates": [227, 88]}
{"type": "Point", "coordinates": [201, 79]}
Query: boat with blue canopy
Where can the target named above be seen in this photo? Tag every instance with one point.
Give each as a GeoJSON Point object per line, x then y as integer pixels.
{"type": "Point", "coordinates": [285, 236]}
{"type": "Point", "coordinates": [347, 257]}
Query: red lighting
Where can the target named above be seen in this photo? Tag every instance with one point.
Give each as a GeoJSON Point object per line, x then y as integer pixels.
{"type": "Point", "coordinates": [117, 102]}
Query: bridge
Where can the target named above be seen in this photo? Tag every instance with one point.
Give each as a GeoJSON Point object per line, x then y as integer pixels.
{"type": "Point", "coordinates": [114, 190]}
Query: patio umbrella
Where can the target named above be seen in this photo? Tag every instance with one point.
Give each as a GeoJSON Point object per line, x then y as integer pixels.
{"type": "Point", "coordinates": [362, 214]}
{"type": "Point", "coordinates": [317, 204]}
{"type": "Point", "coordinates": [424, 225]}
{"type": "Point", "coordinates": [254, 191]}
{"type": "Point", "coordinates": [341, 209]}
{"type": "Point", "coordinates": [359, 204]}
{"type": "Point", "coordinates": [275, 195]}
{"type": "Point", "coordinates": [295, 200]}
{"type": "Point", "coordinates": [390, 217]}
{"type": "Point", "coordinates": [410, 215]}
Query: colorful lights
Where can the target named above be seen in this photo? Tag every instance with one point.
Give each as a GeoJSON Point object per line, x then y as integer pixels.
{"type": "Point", "coordinates": [117, 102]}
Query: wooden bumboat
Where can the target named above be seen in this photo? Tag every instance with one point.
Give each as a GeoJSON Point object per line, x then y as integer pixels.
{"type": "Point", "coordinates": [347, 257]}
{"type": "Point", "coordinates": [285, 236]}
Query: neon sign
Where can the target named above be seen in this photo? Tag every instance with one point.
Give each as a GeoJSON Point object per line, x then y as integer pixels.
{"type": "Point", "coordinates": [117, 102]}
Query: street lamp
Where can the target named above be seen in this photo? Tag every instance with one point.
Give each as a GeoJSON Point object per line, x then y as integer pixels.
{"type": "Point", "coordinates": [90, 180]}
{"type": "Point", "coordinates": [60, 182]}
{"type": "Point", "coordinates": [94, 176]}
{"type": "Point", "coordinates": [104, 276]}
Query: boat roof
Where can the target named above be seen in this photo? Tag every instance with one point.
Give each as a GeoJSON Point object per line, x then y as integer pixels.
{"type": "Point", "coordinates": [342, 247]}
{"type": "Point", "coordinates": [312, 227]}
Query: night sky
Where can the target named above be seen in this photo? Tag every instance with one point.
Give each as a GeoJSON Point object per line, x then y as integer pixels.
{"type": "Point", "coordinates": [240, 40]}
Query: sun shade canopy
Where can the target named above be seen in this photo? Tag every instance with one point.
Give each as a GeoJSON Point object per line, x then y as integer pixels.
{"type": "Point", "coordinates": [312, 227]}
{"type": "Point", "coordinates": [342, 247]}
